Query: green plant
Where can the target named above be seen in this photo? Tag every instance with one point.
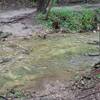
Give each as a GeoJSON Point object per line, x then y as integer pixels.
{"type": "Point", "coordinates": [83, 20]}
{"type": "Point", "coordinates": [98, 15]}
{"type": "Point", "coordinates": [88, 18]}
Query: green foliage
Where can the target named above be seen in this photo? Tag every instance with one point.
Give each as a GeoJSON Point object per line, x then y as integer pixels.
{"type": "Point", "coordinates": [88, 19]}
{"type": "Point", "coordinates": [98, 11]}
{"type": "Point", "coordinates": [98, 76]}
{"type": "Point", "coordinates": [83, 20]}
{"type": "Point", "coordinates": [98, 15]}
{"type": "Point", "coordinates": [75, 20]}
{"type": "Point", "coordinates": [45, 23]}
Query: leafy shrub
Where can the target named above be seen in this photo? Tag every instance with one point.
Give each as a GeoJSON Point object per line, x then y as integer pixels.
{"type": "Point", "coordinates": [82, 20]}
{"type": "Point", "coordinates": [88, 19]}
{"type": "Point", "coordinates": [98, 15]}
{"type": "Point", "coordinates": [41, 20]}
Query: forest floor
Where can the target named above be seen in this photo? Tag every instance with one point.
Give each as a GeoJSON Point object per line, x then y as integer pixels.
{"type": "Point", "coordinates": [32, 68]}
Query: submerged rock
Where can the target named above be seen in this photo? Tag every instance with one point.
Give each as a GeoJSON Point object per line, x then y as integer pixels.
{"type": "Point", "coordinates": [4, 35]}
{"type": "Point", "coordinates": [5, 60]}
{"type": "Point", "coordinates": [97, 65]}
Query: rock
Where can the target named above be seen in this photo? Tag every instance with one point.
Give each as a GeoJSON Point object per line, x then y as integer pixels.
{"type": "Point", "coordinates": [94, 43]}
{"type": "Point", "coordinates": [97, 65]}
{"type": "Point", "coordinates": [4, 35]}
{"type": "Point", "coordinates": [96, 69]}
{"type": "Point", "coordinates": [4, 98]}
{"type": "Point", "coordinates": [1, 32]}
{"type": "Point", "coordinates": [42, 35]}
{"type": "Point", "coordinates": [93, 54]}
{"type": "Point", "coordinates": [5, 60]}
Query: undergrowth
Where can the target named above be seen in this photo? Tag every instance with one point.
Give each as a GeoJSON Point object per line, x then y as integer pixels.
{"type": "Point", "coordinates": [69, 19]}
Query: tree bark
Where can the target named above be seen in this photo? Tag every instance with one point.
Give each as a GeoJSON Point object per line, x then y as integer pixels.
{"type": "Point", "coordinates": [49, 8]}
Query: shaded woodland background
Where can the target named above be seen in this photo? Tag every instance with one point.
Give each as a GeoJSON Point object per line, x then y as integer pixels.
{"type": "Point", "coordinates": [7, 4]}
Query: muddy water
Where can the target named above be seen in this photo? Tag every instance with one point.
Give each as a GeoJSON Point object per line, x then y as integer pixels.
{"type": "Point", "coordinates": [26, 61]}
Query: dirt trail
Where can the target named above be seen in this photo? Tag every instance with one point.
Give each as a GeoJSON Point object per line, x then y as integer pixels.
{"type": "Point", "coordinates": [17, 22]}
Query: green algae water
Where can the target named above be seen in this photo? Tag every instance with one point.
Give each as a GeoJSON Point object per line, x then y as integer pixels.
{"type": "Point", "coordinates": [57, 57]}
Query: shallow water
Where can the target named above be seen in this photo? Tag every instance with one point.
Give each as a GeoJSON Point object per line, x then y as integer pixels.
{"type": "Point", "coordinates": [57, 57]}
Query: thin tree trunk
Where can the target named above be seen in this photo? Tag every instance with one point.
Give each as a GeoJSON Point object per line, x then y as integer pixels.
{"type": "Point", "coordinates": [49, 9]}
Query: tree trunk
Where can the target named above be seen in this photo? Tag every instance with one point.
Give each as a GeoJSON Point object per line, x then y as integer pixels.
{"type": "Point", "coordinates": [49, 8]}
